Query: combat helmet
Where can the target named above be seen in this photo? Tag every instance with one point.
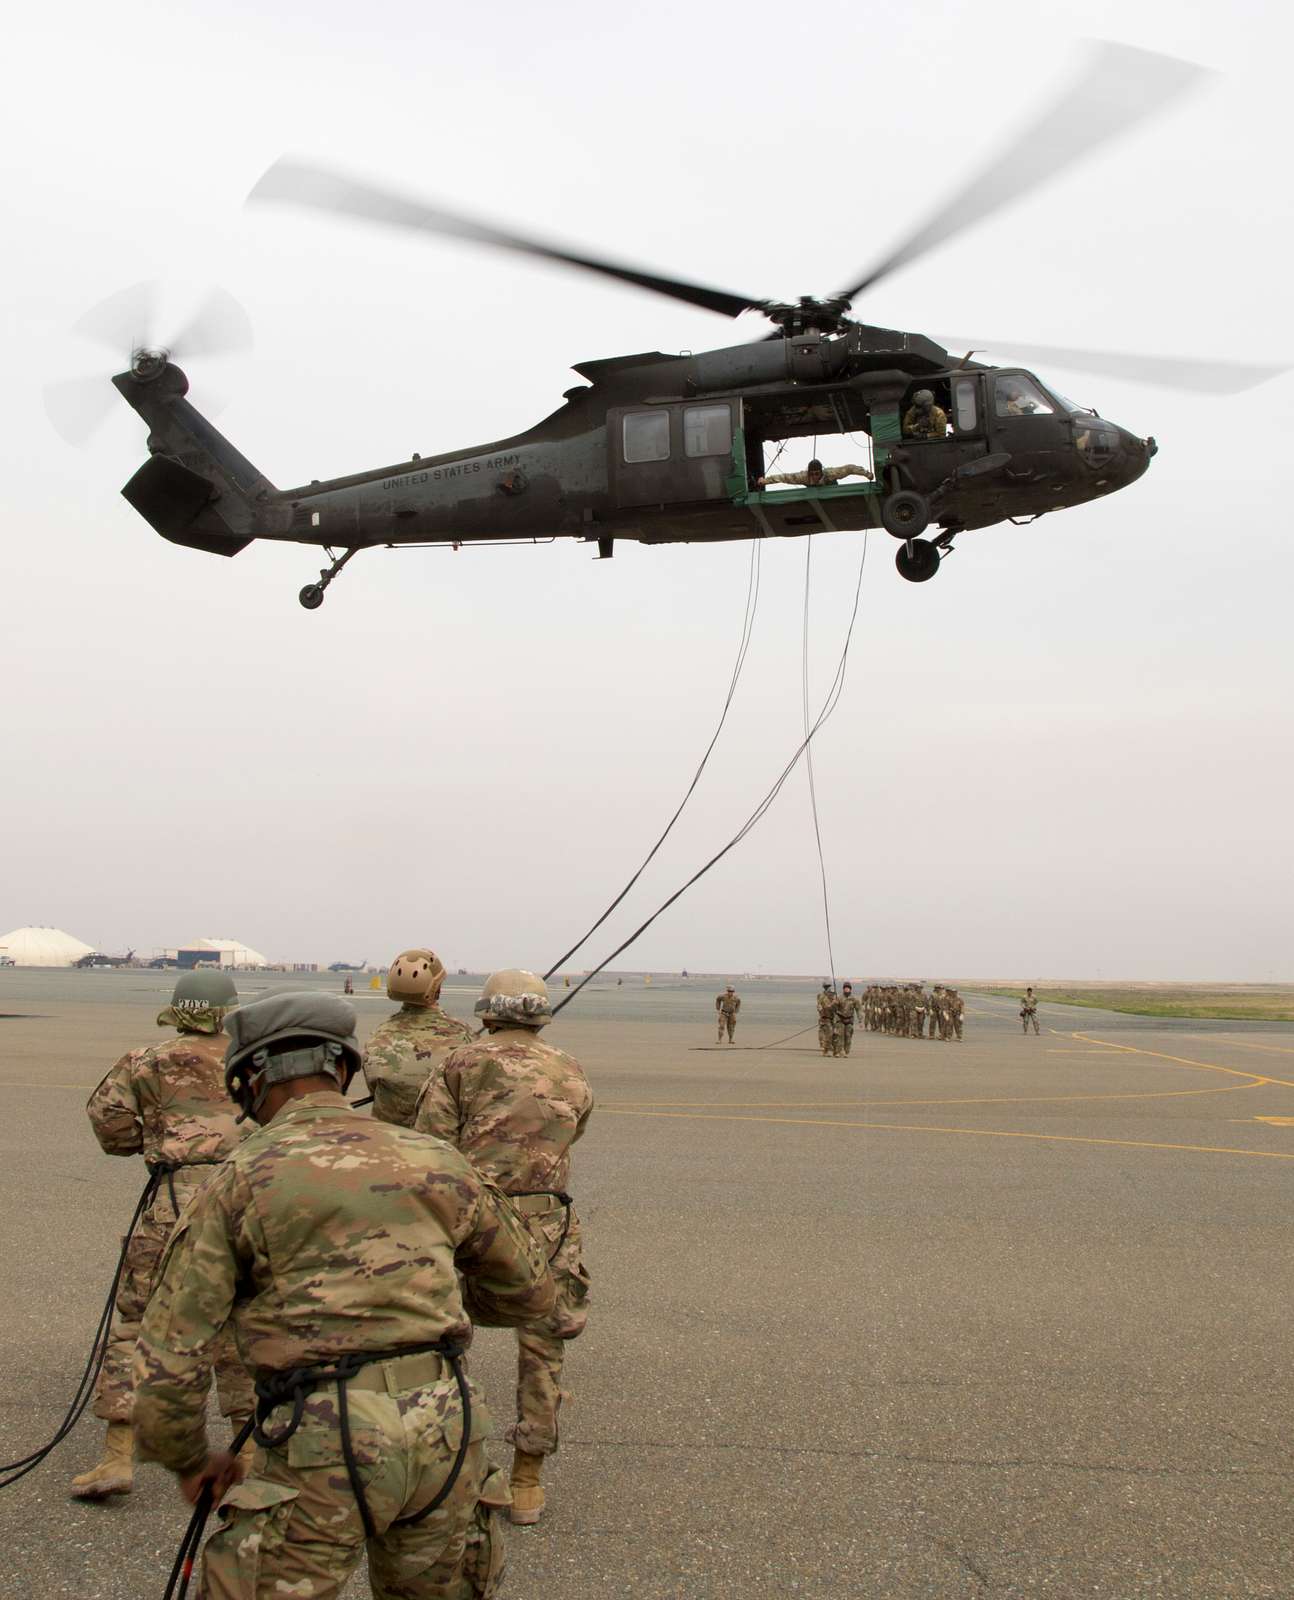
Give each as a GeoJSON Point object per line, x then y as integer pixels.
{"type": "Point", "coordinates": [285, 1035]}
{"type": "Point", "coordinates": [415, 977]}
{"type": "Point", "coordinates": [924, 398]}
{"type": "Point", "coordinates": [195, 991]}
{"type": "Point", "coordinates": [515, 998]}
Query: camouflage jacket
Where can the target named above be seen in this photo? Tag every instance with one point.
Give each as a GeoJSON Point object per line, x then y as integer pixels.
{"type": "Point", "coordinates": [728, 1003]}
{"type": "Point", "coordinates": [167, 1102]}
{"type": "Point", "coordinates": [403, 1053]}
{"type": "Point", "coordinates": [826, 1004]}
{"type": "Point", "coordinates": [932, 424]}
{"type": "Point", "coordinates": [830, 475]}
{"type": "Point", "coordinates": [325, 1232]}
{"type": "Point", "coordinates": [513, 1105]}
{"type": "Point", "coordinates": [848, 1009]}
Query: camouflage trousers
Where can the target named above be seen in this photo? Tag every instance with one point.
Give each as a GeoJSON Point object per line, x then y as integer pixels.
{"type": "Point", "coordinates": [114, 1396]}
{"type": "Point", "coordinates": [294, 1527]}
{"type": "Point", "coordinates": [846, 1038]}
{"type": "Point", "coordinates": [727, 1019]}
{"type": "Point", "coordinates": [1026, 1017]}
{"type": "Point", "coordinates": [827, 1040]}
{"type": "Point", "coordinates": [541, 1346]}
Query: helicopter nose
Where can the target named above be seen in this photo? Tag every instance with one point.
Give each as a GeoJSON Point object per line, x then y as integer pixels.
{"type": "Point", "coordinates": [1136, 454]}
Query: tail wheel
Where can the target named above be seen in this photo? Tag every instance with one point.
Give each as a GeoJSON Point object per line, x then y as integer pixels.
{"type": "Point", "coordinates": [917, 560]}
{"type": "Point", "coordinates": [312, 596]}
{"type": "Point", "coordinates": [906, 514]}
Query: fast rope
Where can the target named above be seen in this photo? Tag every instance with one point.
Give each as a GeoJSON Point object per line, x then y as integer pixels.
{"type": "Point", "coordinates": [808, 759]}
{"type": "Point", "coordinates": [747, 629]}
{"type": "Point", "coordinates": [828, 706]}
{"type": "Point", "coordinates": [14, 1470]}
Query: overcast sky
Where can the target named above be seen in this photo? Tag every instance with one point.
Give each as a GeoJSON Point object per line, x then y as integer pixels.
{"type": "Point", "coordinates": [1067, 755]}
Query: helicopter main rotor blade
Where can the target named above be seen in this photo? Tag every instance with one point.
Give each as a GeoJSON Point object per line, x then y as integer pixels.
{"type": "Point", "coordinates": [300, 183]}
{"type": "Point", "coordinates": [1169, 372]}
{"type": "Point", "coordinates": [1119, 87]}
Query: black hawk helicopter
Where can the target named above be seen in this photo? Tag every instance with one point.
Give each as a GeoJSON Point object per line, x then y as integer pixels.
{"type": "Point", "coordinates": [671, 448]}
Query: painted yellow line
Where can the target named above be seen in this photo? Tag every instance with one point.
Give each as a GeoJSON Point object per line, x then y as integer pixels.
{"type": "Point", "coordinates": [988, 1100]}
{"type": "Point", "coordinates": [970, 1133]}
{"type": "Point", "coordinates": [1245, 1044]}
{"type": "Point", "coordinates": [1277, 1122]}
{"type": "Point", "coordinates": [1181, 1061]}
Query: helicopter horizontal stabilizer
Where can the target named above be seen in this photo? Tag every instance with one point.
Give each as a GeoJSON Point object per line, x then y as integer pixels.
{"type": "Point", "coordinates": [178, 504]}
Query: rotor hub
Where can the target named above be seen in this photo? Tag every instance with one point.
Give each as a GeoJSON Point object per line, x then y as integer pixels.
{"type": "Point", "coordinates": [148, 363]}
{"type": "Point", "coordinates": [807, 314]}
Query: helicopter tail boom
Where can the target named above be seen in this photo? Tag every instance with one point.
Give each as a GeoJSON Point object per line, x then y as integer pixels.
{"type": "Point", "coordinates": [195, 489]}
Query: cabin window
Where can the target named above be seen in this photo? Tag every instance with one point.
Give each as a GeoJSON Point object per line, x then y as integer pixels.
{"type": "Point", "coordinates": [707, 431]}
{"type": "Point", "coordinates": [964, 404]}
{"type": "Point", "coordinates": [1014, 395]}
{"type": "Point", "coordinates": [647, 436]}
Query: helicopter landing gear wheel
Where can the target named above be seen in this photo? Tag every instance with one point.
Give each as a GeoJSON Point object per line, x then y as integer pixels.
{"type": "Point", "coordinates": [906, 514]}
{"type": "Point", "coordinates": [917, 560]}
{"type": "Point", "coordinates": [312, 596]}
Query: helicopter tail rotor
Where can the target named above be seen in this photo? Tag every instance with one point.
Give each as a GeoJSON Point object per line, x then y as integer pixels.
{"type": "Point", "coordinates": [127, 324]}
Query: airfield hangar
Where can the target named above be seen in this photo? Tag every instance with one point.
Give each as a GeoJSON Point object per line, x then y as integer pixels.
{"type": "Point", "coordinates": [42, 947]}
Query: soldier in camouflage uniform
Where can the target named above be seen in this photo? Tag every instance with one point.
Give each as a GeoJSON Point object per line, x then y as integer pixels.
{"type": "Point", "coordinates": [848, 1009]}
{"type": "Point", "coordinates": [349, 1255]}
{"type": "Point", "coordinates": [1029, 1010]}
{"type": "Point", "coordinates": [514, 1106]}
{"type": "Point", "coordinates": [924, 419]}
{"type": "Point", "coordinates": [816, 476]}
{"type": "Point", "coordinates": [408, 1047]}
{"type": "Point", "coordinates": [827, 1018]}
{"type": "Point", "coordinates": [936, 1010]}
{"type": "Point", "coordinates": [166, 1102]}
{"type": "Point", "coordinates": [726, 1006]}
{"type": "Point", "coordinates": [956, 1010]}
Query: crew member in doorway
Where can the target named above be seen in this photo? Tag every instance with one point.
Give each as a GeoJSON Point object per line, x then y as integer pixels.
{"type": "Point", "coordinates": [924, 419]}
{"type": "Point", "coordinates": [726, 1006]}
{"type": "Point", "coordinates": [815, 475]}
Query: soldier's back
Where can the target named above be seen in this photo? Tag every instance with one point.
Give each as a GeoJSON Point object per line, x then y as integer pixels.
{"type": "Point", "coordinates": [405, 1049]}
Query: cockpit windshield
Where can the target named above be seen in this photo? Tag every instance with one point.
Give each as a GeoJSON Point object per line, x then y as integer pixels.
{"type": "Point", "coordinates": [1017, 395]}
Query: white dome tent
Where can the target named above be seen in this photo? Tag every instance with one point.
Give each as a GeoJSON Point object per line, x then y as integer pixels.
{"type": "Point", "coordinates": [43, 947]}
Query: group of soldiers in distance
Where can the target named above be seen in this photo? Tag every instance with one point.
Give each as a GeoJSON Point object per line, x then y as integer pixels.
{"type": "Point", "coordinates": [902, 1009]}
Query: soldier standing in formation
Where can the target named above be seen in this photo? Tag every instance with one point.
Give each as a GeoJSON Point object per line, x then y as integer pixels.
{"type": "Point", "coordinates": [350, 1255]}
{"type": "Point", "coordinates": [166, 1102]}
{"type": "Point", "coordinates": [848, 1008]}
{"type": "Point", "coordinates": [726, 1006]}
{"type": "Point", "coordinates": [827, 1019]}
{"type": "Point", "coordinates": [1029, 1011]}
{"type": "Point", "coordinates": [904, 1009]}
{"type": "Point", "coordinates": [409, 1045]}
{"type": "Point", "coordinates": [514, 1106]}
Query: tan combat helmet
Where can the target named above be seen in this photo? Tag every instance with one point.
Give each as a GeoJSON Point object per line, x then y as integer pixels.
{"type": "Point", "coordinates": [514, 998]}
{"type": "Point", "coordinates": [415, 977]}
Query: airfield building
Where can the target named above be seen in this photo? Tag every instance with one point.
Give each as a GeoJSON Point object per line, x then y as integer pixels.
{"type": "Point", "coordinates": [228, 953]}
{"type": "Point", "coordinates": [42, 947]}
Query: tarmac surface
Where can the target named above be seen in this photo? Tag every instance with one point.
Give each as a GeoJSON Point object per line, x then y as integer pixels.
{"type": "Point", "coordinates": [1009, 1317]}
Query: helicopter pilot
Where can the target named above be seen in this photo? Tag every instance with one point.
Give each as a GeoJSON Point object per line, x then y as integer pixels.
{"type": "Point", "coordinates": [815, 475]}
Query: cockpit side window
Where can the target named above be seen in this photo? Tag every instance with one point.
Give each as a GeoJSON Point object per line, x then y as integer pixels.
{"type": "Point", "coordinates": [1015, 395]}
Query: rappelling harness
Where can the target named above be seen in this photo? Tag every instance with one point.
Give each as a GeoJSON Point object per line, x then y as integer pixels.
{"type": "Point", "coordinates": [294, 1387]}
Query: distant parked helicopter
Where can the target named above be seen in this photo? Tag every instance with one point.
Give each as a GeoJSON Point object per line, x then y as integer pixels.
{"type": "Point", "coordinates": [664, 448]}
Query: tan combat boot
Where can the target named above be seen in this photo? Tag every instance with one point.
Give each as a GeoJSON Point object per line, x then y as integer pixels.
{"type": "Point", "coordinates": [115, 1474]}
{"type": "Point", "coordinates": [527, 1491]}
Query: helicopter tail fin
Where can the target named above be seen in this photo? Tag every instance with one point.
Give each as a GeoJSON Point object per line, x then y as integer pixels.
{"type": "Point", "coordinates": [195, 489]}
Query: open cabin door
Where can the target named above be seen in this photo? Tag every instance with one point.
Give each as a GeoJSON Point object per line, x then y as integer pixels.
{"type": "Point", "coordinates": [673, 454]}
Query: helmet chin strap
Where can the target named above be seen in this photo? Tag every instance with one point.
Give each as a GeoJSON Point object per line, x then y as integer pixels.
{"type": "Point", "coordinates": [270, 1070]}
